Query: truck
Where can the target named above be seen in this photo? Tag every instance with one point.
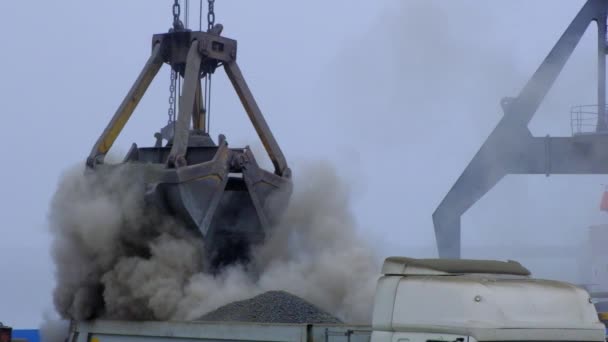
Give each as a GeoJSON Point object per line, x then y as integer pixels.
{"type": "Point", "coordinates": [416, 300]}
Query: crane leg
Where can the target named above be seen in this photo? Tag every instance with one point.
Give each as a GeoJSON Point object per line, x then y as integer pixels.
{"type": "Point", "coordinates": [124, 112]}
{"type": "Point", "coordinates": [177, 156]}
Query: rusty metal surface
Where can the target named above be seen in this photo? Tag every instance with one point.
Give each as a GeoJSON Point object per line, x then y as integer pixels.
{"type": "Point", "coordinates": [511, 148]}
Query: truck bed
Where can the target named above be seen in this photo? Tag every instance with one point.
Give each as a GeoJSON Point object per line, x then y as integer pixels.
{"type": "Point", "coordinates": [130, 331]}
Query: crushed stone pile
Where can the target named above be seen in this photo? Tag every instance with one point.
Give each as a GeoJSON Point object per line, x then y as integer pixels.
{"type": "Point", "coordinates": [271, 307]}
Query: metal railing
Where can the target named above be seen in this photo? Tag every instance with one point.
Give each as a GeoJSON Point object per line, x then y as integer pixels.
{"type": "Point", "coordinates": [584, 118]}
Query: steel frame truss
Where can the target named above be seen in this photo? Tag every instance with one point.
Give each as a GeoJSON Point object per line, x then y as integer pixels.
{"type": "Point", "coordinates": [511, 148]}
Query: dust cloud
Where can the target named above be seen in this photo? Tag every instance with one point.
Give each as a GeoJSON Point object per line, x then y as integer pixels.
{"type": "Point", "coordinates": [53, 329]}
{"type": "Point", "coordinates": [116, 258]}
{"type": "Point", "coordinates": [431, 98]}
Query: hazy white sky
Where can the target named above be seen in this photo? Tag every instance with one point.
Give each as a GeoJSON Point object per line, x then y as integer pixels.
{"type": "Point", "coordinates": [399, 94]}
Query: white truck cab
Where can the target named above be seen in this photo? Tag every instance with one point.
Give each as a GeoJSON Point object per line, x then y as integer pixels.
{"type": "Point", "coordinates": [432, 300]}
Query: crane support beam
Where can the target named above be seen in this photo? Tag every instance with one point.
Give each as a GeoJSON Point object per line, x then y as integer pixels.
{"type": "Point", "coordinates": [126, 108]}
{"type": "Point", "coordinates": [199, 112]}
{"type": "Point", "coordinates": [550, 155]}
{"type": "Point", "coordinates": [257, 119]}
{"type": "Point", "coordinates": [511, 148]}
{"type": "Point", "coordinates": [187, 101]}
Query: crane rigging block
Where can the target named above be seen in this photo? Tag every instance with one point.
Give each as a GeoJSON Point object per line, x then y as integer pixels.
{"type": "Point", "coordinates": [511, 148]}
{"type": "Point", "coordinates": [218, 191]}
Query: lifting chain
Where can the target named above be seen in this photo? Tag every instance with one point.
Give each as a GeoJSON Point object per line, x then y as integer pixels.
{"type": "Point", "coordinates": [211, 15]}
{"type": "Point", "coordinates": [177, 10]}
{"type": "Point", "coordinates": [172, 97]}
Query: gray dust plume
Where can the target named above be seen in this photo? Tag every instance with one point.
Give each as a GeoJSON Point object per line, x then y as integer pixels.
{"type": "Point", "coordinates": [117, 258]}
{"type": "Point", "coordinates": [53, 329]}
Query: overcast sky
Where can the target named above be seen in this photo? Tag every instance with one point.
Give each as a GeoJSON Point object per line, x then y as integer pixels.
{"type": "Point", "coordinates": [398, 94]}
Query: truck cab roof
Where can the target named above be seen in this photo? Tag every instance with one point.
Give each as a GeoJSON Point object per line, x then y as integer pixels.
{"type": "Point", "coordinates": [410, 266]}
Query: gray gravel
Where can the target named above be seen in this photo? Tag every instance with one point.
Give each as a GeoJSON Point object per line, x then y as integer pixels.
{"type": "Point", "coordinates": [271, 307]}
